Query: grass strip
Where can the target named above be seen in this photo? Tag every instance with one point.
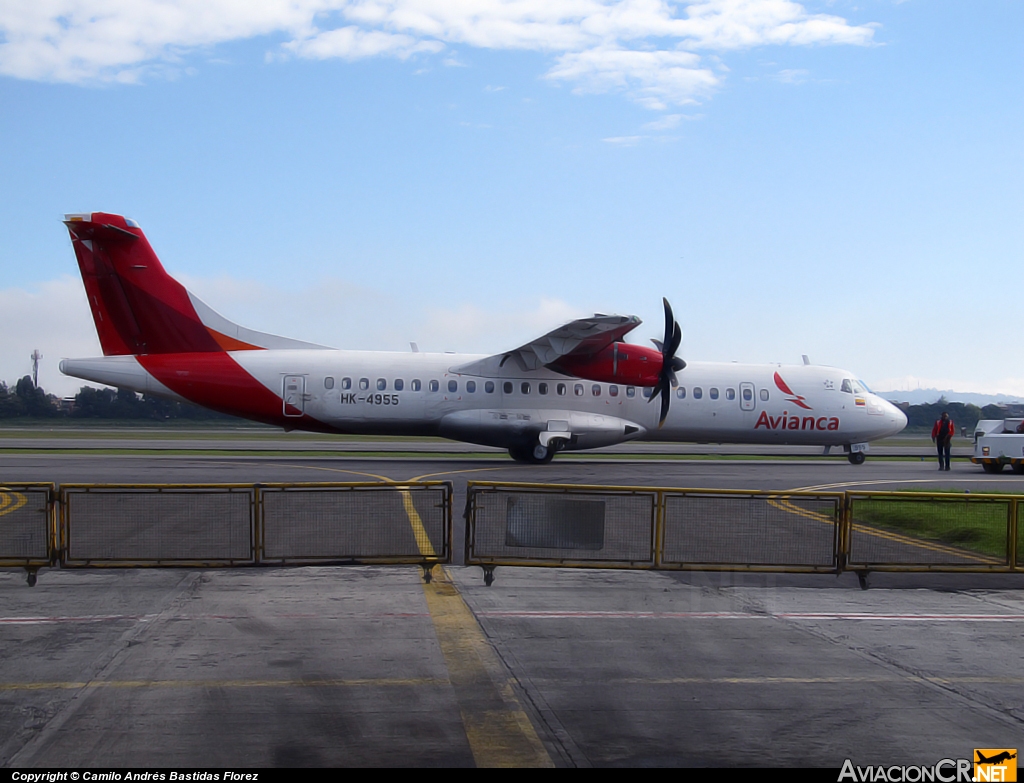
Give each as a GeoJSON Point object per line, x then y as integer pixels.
{"type": "Point", "coordinates": [976, 525]}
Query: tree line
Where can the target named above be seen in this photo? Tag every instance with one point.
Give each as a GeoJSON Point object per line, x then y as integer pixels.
{"type": "Point", "coordinates": [924, 416]}
{"type": "Point", "coordinates": [28, 401]}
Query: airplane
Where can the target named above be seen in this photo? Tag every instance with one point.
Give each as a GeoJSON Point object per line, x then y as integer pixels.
{"type": "Point", "coordinates": [577, 387]}
{"type": "Point", "coordinates": [996, 759]}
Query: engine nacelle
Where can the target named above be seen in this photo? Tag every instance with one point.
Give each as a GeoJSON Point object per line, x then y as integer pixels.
{"type": "Point", "coordinates": [618, 363]}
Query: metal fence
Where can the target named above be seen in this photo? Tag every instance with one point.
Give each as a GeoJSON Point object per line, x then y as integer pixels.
{"type": "Point", "coordinates": [355, 522]}
{"type": "Point", "coordinates": [567, 526]}
{"type": "Point", "coordinates": [202, 525]}
{"type": "Point", "coordinates": [27, 525]}
{"type": "Point", "coordinates": [705, 529]}
{"type": "Point", "coordinates": [904, 531]}
{"type": "Point", "coordinates": [507, 524]}
{"type": "Point", "coordinates": [751, 530]}
{"type": "Point", "coordinates": [158, 525]}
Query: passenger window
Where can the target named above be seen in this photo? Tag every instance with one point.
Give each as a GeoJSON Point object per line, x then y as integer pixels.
{"type": "Point", "coordinates": [613, 391]}
{"type": "Point", "coordinates": [525, 388]}
{"type": "Point", "coordinates": [847, 386]}
{"type": "Point", "coordinates": [681, 392]}
{"type": "Point", "coordinates": [489, 387]}
{"type": "Point", "coordinates": [713, 393]}
{"type": "Point", "coordinates": [471, 386]}
{"type": "Point", "coordinates": [364, 384]}
{"type": "Point", "coordinates": [648, 391]}
{"type": "Point", "coordinates": [764, 395]}
{"type": "Point", "coordinates": [507, 387]}
{"type": "Point", "coordinates": [561, 390]}
{"type": "Point", "coordinates": [416, 384]}
{"type": "Point", "coordinates": [730, 394]}
{"type": "Point", "coordinates": [381, 384]}
{"type": "Point", "coordinates": [328, 382]}
{"type": "Point", "coordinates": [631, 391]}
{"type": "Point", "coordinates": [697, 392]}
{"type": "Point", "coordinates": [346, 383]}
{"type": "Point", "coordinates": [596, 390]}
{"type": "Point", "coordinates": [542, 388]}
{"type": "Point", "coordinates": [748, 395]}
{"type": "Point", "coordinates": [578, 389]}
{"type": "Point", "coordinates": [399, 384]}
{"type": "Point", "coordinates": [453, 386]}
{"type": "Point", "coordinates": [434, 386]}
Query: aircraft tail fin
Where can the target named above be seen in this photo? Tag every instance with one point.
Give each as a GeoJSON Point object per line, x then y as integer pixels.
{"type": "Point", "coordinates": [140, 309]}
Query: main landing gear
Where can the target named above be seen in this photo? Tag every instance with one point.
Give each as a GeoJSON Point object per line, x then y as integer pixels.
{"type": "Point", "coordinates": [856, 457]}
{"type": "Point", "coordinates": [532, 455]}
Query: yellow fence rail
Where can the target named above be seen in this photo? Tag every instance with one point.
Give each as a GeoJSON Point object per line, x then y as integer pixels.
{"type": "Point", "coordinates": [208, 525]}
{"type": "Point", "coordinates": [205, 525]}
{"type": "Point", "coordinates": [716, 529]}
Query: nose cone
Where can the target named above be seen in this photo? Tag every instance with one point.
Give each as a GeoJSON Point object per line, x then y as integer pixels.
{"type": "Point", "coordinates": [897, 419]}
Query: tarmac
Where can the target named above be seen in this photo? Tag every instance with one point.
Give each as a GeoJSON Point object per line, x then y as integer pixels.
{"type": "Point", "coordinates": [370, 666]}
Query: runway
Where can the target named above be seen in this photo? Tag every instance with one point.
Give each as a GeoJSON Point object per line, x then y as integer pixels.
{"type": "Point", "coordinates": [368, 666]}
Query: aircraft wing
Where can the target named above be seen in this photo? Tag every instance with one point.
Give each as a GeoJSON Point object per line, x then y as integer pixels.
{"type": "Point", "coordinates": [583, 337]}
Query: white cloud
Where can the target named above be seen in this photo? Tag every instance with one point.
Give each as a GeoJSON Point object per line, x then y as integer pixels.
{"type": "Point", "coordinates": [342, 315]}
{"type": "Point", "coordinates": [792, 76]}
{"type": "Point", "coordinates": [53, 317]}
{"type": "Point", "coordinates": [667, 122]}
{"type": "Point", "coordinates": [653, 79]}
{"type": "Point", "coordinates": [624, 141]}
{"type": "Point", "coordinates": [352, 43]}
{"type": "Point", "coordinates": [648, 49]}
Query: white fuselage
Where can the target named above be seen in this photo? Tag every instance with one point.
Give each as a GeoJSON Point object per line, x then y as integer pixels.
{"type": "Point", "coordinates": [424, 394]}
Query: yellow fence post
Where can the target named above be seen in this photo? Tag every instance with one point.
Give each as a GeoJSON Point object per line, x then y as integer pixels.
{"type": "Point", "coordinates": [1014, 531]}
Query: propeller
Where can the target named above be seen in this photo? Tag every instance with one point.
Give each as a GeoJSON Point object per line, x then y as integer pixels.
{"type": "Point", "coordinates": [670, 363]}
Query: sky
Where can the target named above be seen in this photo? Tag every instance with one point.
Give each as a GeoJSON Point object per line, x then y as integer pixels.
{"type": "Point", "coordinates": [838, 179]}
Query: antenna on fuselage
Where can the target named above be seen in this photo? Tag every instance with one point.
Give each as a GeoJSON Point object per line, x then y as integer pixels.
{"type": "Point", "coordinates": [415, 348]}
{"type": "Point", "coordinates": [806, 360]}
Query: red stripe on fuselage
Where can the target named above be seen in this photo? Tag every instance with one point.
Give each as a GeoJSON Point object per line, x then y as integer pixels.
{"type": "Point", "coordinates": [218, 382]}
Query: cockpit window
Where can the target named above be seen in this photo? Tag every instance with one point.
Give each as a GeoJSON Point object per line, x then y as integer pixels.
{"type": "Point", "coordinates": [863, 387]}
{"type": "Point", "coordinates": [847, 386]}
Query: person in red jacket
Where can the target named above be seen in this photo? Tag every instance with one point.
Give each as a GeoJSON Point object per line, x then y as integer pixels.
{"type": "Point", "coordinates": [942, 434]}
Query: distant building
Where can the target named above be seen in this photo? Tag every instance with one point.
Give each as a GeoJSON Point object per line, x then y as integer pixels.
{"type": "Point", "coordinates": [1011, 410]}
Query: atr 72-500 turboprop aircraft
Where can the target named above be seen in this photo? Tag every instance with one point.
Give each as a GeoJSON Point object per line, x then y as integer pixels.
{"type": "Point", "coordinates": [577, 387]}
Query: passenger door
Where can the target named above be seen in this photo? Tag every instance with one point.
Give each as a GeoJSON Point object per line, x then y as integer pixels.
{"type": "Point", "coordinates": [747, 396]}
{"type": "Point", "coordinates": [294, 394]}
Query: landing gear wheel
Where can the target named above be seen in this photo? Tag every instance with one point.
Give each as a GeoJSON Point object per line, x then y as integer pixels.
{"type": "Point", "coordinates": [532, 455]}
{"type": "Point", "coordinates": [856, 457]}
{"type": "Point", "coordinates": [992, 467]}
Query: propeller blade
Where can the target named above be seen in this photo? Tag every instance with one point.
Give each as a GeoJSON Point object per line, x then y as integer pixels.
{"type": "Point", "coordinates": [664, 408]}
{"type": "Point", "coordinates": [677, 338]}
{"type": "Point", "coordinates": [670, 364]}
{"type": "Point", "coordinates": [669, 321]}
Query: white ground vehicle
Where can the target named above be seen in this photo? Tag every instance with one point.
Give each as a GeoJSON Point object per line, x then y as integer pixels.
{"type": "Point", "coordinates": [998, 443]}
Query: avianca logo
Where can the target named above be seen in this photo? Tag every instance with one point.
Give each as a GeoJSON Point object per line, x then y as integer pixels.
{"type": "Point", "coordinates": [787, 422]}
{"type": "Point", "coordinates": [796, 399]}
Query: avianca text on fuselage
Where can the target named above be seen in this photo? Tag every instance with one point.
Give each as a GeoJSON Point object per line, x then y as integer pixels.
{"type": "Point", "coordinates": [787, 422]}
{"type": "Point", "coordinates": [577, 387]}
